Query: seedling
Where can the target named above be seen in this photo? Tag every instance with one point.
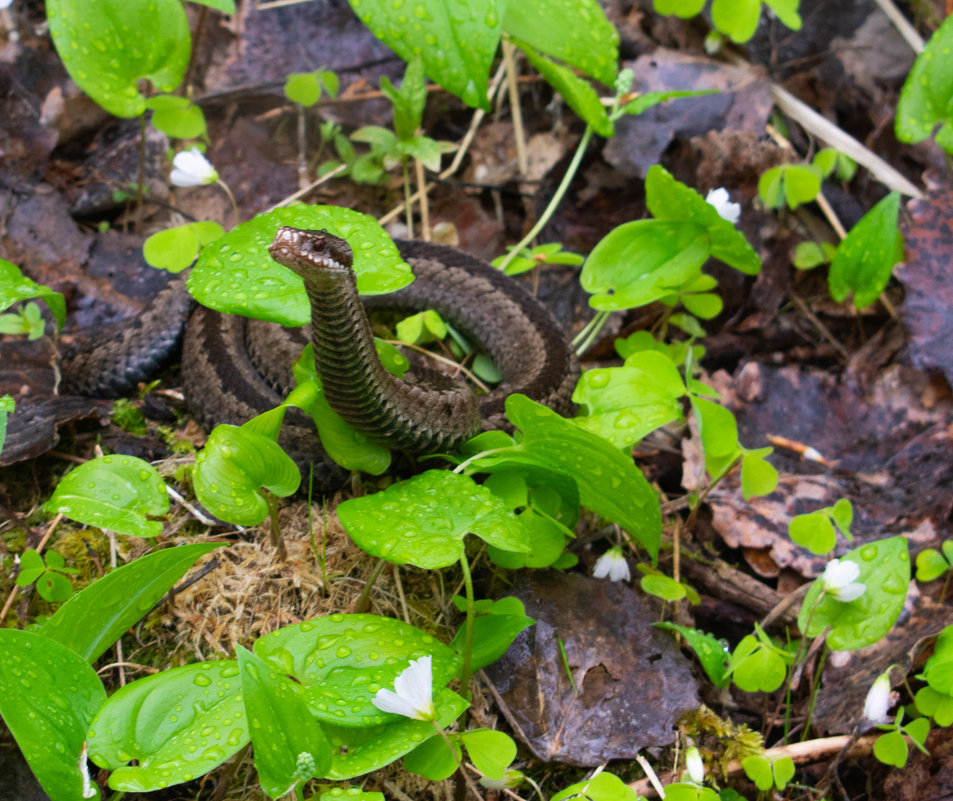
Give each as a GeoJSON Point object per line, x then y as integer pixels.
{"type": "Point", "coordinates": [48, 575]}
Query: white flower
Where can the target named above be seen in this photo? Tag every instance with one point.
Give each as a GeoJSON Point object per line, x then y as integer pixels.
{"type": "Point", "coordinates": [878, 699]}
{"type": "Point", "coordinates": [6, 3]}
{"type": "Point", "coordinates": [412, 696]}
{"type": "Point", "coordinates": [718, 198]}
{"type": "Point", "coordinates": [695, 766]}
{"type": "Point", "coordinates": [612, 564]}
{"type": "Point", "coordinates": [838, 580]}
{"type": "Point", "coordinates": [191, 168]}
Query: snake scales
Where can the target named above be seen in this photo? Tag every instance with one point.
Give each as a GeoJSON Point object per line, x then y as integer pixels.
{"type": "Point", "coordinates": [233, 368]}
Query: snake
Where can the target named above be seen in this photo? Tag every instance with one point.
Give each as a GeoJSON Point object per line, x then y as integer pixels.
{"type": "Point", "coordinates": [234, 367]}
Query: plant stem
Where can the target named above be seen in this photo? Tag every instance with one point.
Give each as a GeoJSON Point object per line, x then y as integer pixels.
{"type": "Point", "coordinates": [231, 198]}
{"type": "Point", "coordinates": [141, 175]}
{"type": "Point", "coordinates": [468, 637]}
{"type": "Point", "coordinates": [276, 539]}
{"type": "Point", "coordinates": [363, 602]}
{"type": "Point", "coordinates": [588, 334]}
{"type": "Point", "coordinates": [553, 203]}
{"type": "Point", "coordinates": [814, 685]}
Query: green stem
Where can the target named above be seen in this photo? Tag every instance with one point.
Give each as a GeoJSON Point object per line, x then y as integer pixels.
{"type": "Point", "coordinates": [814, 685]}
{"type": "Point", "coordinates": [468, 637]}
{"type": "Point", "coordinates": [276, 539]}
{"type": "Point", "coordinates": [466, 462]}
{"type": "Point", "coordinates": [364, 599]}
{"type": "Point", "coordinates": [553, 203]}
{"type": "Point", "coordinates": [588, 335]}
{"type": "Point", "coordinates": [231, 199]}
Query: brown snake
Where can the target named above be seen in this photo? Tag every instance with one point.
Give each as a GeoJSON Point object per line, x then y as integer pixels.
{"type": "Point", "coordinates": [233, 368]}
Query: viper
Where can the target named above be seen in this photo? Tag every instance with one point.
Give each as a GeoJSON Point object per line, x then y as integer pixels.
{"type": "Point", "coordinates": [234, 367]}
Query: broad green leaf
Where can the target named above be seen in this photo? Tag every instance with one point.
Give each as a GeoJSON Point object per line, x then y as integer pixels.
{"type": "Point", "coordinates": [433, 759]}
{"type": "Point", "coordinates": [931, 564]}
{"type": "Point", "coordinates": [177, 724]}
{"type": "Point", "coordinates": [926, 99]}
{"type": "Point", "coordinates": [885, 570]}
{"type": "Point", "coordinates": [711, 652]}
{"type": "Point", "coordinates": [97, 616]}
{"type": "Point", "coordinates": [109, 46]}
{"type": "Point", "coordinates": [491, 752]}
{"type": "Point", "coordinates": [343, 660]}
{"type": "Point", "coordinates": [758, 475]}
{"type": "Point", "coordinates": [577, 93]}
{"type": "Point", "coordinates": [174, 249]}
{"type": "Point", "coordinates": [671, 200]}
{"type": "Point", "coordinates": [456, 39]}
{"type": "Point", "coordinates": [662, 586]}
{"type": "Point", "coordinates": [49, 697]}
{"type": "Point", "coordinates": [233, 467]}
{"type": "Point", "coordinates": [574, 31]}
{"type": "Point", "coordinates": [891, 749]}
{"type": "Point", "coordinates": [409, 523]}
{"type": "Point", "coordinates": [642, 261]}
{"type": "Point", "coordinates": [546, 541]}
{"type": "Point", "coordinates": [706, 305]}
{"type": "Point", "coordinates": [116, 493]}
{"type": "Point", "coordinates": [865, 259]}
{"type": "Point", "coordinates": [601, 787]}
{"type": "Point", "coordinates": [737, 19]}
{"type": "Point", "coordinates": [15, 286]}
{"type": "Point", "coordinates": [492, 635]}
{"type": "Point", "coordinates": [187, 122]}
{"type": "Point", "coordinates": [360, 751]}
{"type": "Point", "coordinates": [236, 275]}
{"type": "Point", "coordinates": [623, 404]}
{"type": "Point", "coordinates": [290, 746]}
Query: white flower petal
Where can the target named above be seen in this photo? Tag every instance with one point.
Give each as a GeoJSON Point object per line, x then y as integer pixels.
{"type": "Point", "coordinates": [721, 201]}
{"type": "Point", "coordinates": [612, 564]}
{"type": "Point", "coordinates": [695, 765]}
{"type": "Point", "coordinates": [413, 692]}
{"type": "Point", "coordinates": [191, 168]}
{"type": "Point", "coordinates": [389, 701]}
{"type": "Point", "coordinates": [849, 593]}
{"type": "Point", "coordinates": [878, 699]}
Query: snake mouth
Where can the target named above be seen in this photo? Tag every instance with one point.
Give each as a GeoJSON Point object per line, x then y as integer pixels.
{"type": "Point", "coordinates": [304, 250]}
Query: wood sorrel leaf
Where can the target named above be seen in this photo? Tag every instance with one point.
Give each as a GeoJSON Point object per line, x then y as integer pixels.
{"type": "Point", "coordinates": [885, 572]}
{"type": "Point", "coordinates": [178, 724]}
{"type": "Point", "coordinates": [758, 475]}
{"type": "Point", "coordinates": [114, 493]}
{"type": "Point", "coordinates": [233, 467]}
{"type": "Point", "coordinates": [574, 31]}
{"type": "Point", "coordinates": [290, 746]}
{"type": "Point", "coordinates": [490, 751]}
{"type": "Point", "coordinates": [105, 51]}
{"type": "Point", "coordinates": [236, 274]}
{"type": "Point", "coordinates": [97, 616]}
{"type": "Point", "coordinates": [15, 286]}
{"type": "Point", "coordinates": [456, 39]}
{"type": "Point", "coordinates": [174, 249]}
{"type": "Point", "coordinates": [865, 258]}
{"type": "Point", "coordinates": [602, 787]}
{"type": "Point", "coordinates": [434, 759]}
{"type": "Point", "coordinates": [926, 99]}
{"type": "Point", "coordinates": [49, 697]}
{"type": "Point", "coordinates": [343, 660]}
{"type": "Point", "coordinates": [422, 521]}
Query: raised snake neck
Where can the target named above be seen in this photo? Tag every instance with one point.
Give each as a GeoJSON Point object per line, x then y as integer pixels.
{"type": "Point", "coordinates": [234, 368]}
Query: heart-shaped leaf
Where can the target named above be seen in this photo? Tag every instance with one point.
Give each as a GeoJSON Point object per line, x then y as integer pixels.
{"type": "Point", "coordinates": [15, 286]}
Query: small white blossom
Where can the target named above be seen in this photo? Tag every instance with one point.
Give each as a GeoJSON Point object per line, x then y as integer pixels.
{"type": "Point", "coordinates": [878, 699]}
{"type": "Point", "coordinates": [6, 3]}
{"type": "Point", "coordinates": [412, 695]}
{"type": "Point", "coordinates": [838, 580]}
{"type": "Point", "coordinates": [719, 199]}
{"type": "Point", "coordinates": [695, 766]}
{"type": "Point", "coordinates": [191, 168]}
{"type": "Point", "coordinates": [612, 564]}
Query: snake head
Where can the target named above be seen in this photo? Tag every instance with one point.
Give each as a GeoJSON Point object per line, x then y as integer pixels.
{"type": "Point", "coordinates": [304, 251]}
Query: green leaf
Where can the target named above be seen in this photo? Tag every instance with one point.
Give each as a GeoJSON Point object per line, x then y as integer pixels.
{"type": "Point", "coordinates": [290, 746]}
{"type": "Point", "coordinates": [644, 102]}
{"type": "Point", "coordinates": [813, 531]}
{"type": "Point", "coordinates": [937, 705]}
{"type": "Point", "coordinates": [931, 564]}
{"type": "Point", "coordinates": [926, 99]}
{"type": "Point", "coordinates": [758, 769]}
{"type": "Point", "coordinates": [236, 275]}
{"type": "Point", "coordinates": [174, 249]}
{"type": "Point", "coordinates": [492, 636]}
{"type": "Point", "coordinates": [601, 787]}
{"type": "Point", "coordinates": [737, 19]}
{"type": "Point", "coordinates": [787, 12]}
{"type": "Point", "coordinates": [53, 587]}
{"type": "Point", "coordinates": [303, 88]}
{"type": "Point", "coordinates": [938, 671]}
{"type": "Point", "coordinates": [14, 287]}
{"type": "Point", "coordinates": [719, 435]}
{"type": "Point", "coordinates": [456, 39]}
{"type": "Point", "coordinates": [793, 184]}
{"type": "Point", "coordinates": [420, 328]}
{"type": "Point", "coordinates": [577, 93]}
{"type": "Point", "coordinates": [49, 697]}
{"type": "Point", "coordinates": [808, 255]}
{"type": "Point", "coordinates": [574, 31]}
{"type": "Point", "coordinates": [642, 261]}
{"type": "Point", "coordinates": [409, 100]}
{"type": "Point", "coordinates": [885, 570]}
{"type": "Point", "coordinates": [491, 752]}
{"type": "Point", "coordinates": [97, 616]}
{"type": "Point", "coordinates": [865, 259]}
{"type": "Point", "coordinates": [672, 201]}
{"type": "Point", "coordinates": [434, 759]}
{"type": "Point", "coordinates": [177, 724]}
{"type": "Point", "coordinates": [180, 123]}
{"type": "Point", "coordinates": [109, 46]}
{"type": "Point", "coordinates": [350, 794]}
{"type": "Point", "coordinates": [403, 524]}
{"type": "Point", "coordinates": [685, 9]}
{"type": "Point", "coordinates": [225, 6]}
{"type": "Point", "coordinates": [661, 586]}
{"type": "Point", "coordinates": [116, 493]}
{"type": "Point", "coordinates": [711, 651]}
{"type": "Point", "coordinates": [758, 475]}
{"type": "Point", "coordinates": [343, 660]}
{"type": "Point", "coordinates": [31, 567]}
{"type": "Point", "coordinates": [623, 404]}
{"type": "Point", "coordinates": [233, 467]}
{"type": "Point", "coordinates": [891, 749]}
{"type": "Point", "coordinates": [756, 667]}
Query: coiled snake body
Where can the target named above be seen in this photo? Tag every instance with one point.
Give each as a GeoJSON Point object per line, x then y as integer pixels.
{"type": "Point", "coordinates": [234, 368]}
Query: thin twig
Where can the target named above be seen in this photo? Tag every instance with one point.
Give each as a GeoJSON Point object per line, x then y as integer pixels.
{"type": "Point", "coordinates": [902, 24]}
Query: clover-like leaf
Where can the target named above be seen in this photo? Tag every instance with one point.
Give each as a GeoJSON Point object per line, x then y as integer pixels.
{"type": "Point", "coordinates": [15, 286]}
{"type": "Point", "coordinates": [758, 475]}
{"type": "Point", "coordinates": [794, 184]}
{"type": "Point", "coordinates": [757, 667]}
{"type": "Point", "coordinates": [174, 249]}
{"type": "Point", "coordinates": [236, 274]}
{"type": "Point", "coordinates": [106, 51]}
{"type": "Point", "coordinates": [177, 117]}
{"type": "Point", "coordinates": [97, 616]}
{"type": "Point", "coordinates": [49, 697]}
{"type": "Point", "coordinates": [926, 99]}
{"type": "Point", "coordinates": [601, 787]}
{"type": "Point", "coordinates": [343, 660]}
{"type": "Point", "coordinates": [115, 493]}
{"type": "Point", "coordinates": [283, 732]}
{"type": "Point", "coordinates": [885, 572]}
{"type": "Point", "coordinates": [177, 725]}
{"type": "Point", "coordinates": [234, 465]}
{"type": "Point", "coordinates": [406, 523]}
